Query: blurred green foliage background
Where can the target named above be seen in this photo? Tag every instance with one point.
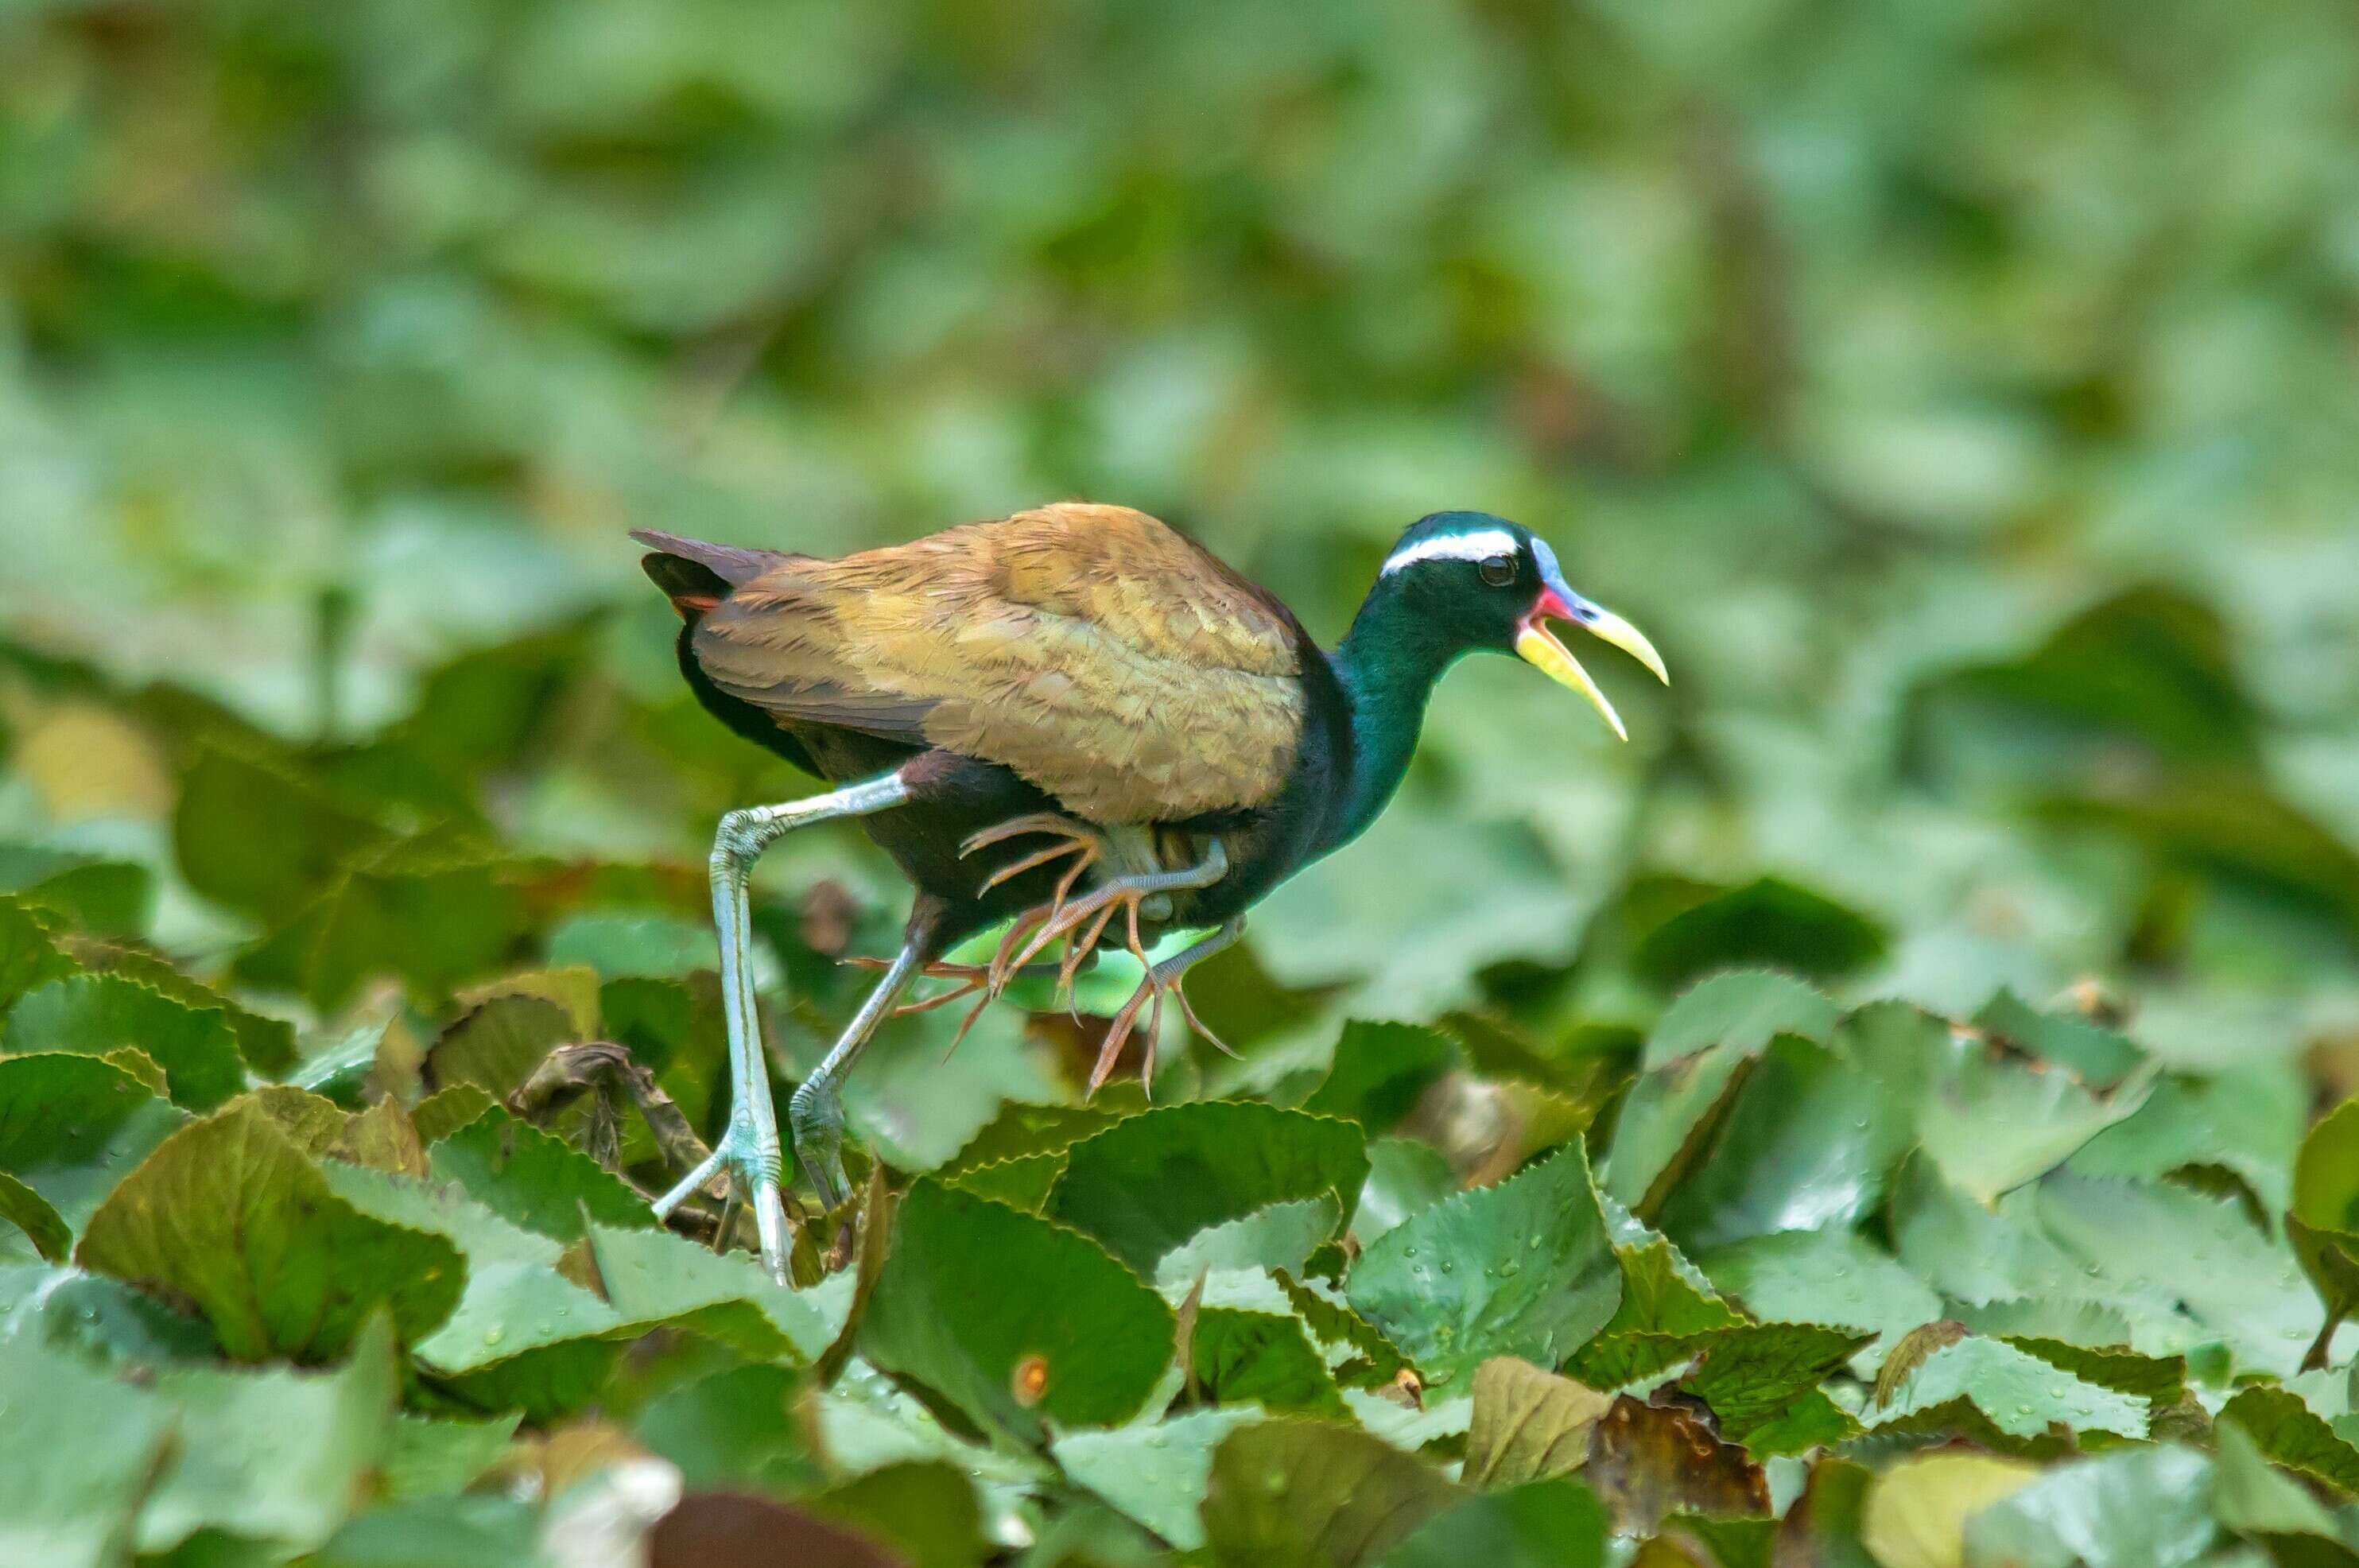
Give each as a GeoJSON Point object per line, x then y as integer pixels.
{"type": "Point", "coordinates": [1964, 397]}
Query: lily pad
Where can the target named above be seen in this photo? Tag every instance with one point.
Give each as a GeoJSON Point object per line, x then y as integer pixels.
{"type": "Point", "coordinates": [1746, 1011]}
{"type": "Point", "coordinates": [1081, 1342]}
{"type": "Point", "coordinates": [277, 1457]}
{"type": "Point", "coordinates": [82, 1450]}
{"type": "Point", "coordinates": [94, 1013]}
{"type": "Point", "coordinates": [534, 1179]}
{"type": "Point", "coordinates": [1524, 1269]}
{"type": "Point", "coordinates": [2139, 1507]}
{"type": "Point", "coordinates": [1528, 1425]}
{"type": "Point", "coordinates": [1150, 1181]}
{"type": "Point", "coordinates": [1306, 1492]}
{"type": "Point", "coordinates": [496, 1046]}
{"type": "Point", "coordinates": [1158, 1472]}
{"type": "Point", "coordinates": [229, 1217]}
{"type": "Point", "coordinates": [2020, 1395]}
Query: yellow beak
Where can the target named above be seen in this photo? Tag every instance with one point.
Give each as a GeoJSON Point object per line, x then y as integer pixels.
{"type": "Point", "coordinates": [1539, 646]}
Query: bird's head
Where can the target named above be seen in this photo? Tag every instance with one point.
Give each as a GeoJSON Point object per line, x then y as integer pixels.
{"type": "Point", "coordinates": [1484, 582]}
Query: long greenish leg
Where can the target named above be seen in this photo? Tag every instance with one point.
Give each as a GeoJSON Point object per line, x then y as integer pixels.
{"type": "Point", "coordinates": [749, 1149]}
{"type": "Point", "coordinates": [815, 1111]}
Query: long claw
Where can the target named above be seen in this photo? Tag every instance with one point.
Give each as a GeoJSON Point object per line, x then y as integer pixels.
{"type": "Point", "coordinates": [1086, 851]}
{"type": "Point", "coordinates": [1016, 827]}
{"type": "Point", "coordinates": [1197, 1024]}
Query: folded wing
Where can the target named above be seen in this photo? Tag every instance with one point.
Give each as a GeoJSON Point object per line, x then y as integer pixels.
{"type": "Point", "coordinates": [1099, 654]}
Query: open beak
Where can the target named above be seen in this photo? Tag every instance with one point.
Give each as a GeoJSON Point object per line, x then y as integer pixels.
{"type": "Point", "coordinates": [1538, 646]}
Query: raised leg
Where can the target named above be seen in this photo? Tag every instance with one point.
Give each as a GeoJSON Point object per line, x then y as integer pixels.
{"type": "Point", "coordinates": [1160, 979]}
{"type": "Point", "coordinates": [749, 1149]}
{"type": "Point", "coordinates": [816, 1112]}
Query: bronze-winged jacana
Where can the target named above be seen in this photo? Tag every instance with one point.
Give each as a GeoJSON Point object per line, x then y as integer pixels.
{"type": "Point", "coordinates": [1086, 674]}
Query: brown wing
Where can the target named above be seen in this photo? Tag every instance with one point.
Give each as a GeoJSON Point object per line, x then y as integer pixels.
{"type": "Point", "coordinates": [1090, 649]}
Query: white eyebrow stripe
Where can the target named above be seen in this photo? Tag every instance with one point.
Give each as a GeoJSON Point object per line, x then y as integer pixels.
{"type": "Point", "coordinates": [1475, 546]}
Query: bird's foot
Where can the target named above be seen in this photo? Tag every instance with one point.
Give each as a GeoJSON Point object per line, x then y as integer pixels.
{"type": "Point", "coordinates": [1072, 837]}
{"type": "Point", "coordinates": [1081, 923]}
{"type": "Point", "coordinates": [744, 1166]}
{"type": "Point", "coordinates": [815, 1119]}
{"type": "Point", "coordinates": [1167, 978]}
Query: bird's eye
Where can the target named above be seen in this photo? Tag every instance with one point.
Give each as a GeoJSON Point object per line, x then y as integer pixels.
{"type": "Point", "coordinates": [1498, 571]}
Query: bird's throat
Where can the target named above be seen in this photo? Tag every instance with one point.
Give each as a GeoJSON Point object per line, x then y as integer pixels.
{"type": "Point", "coordinates": [1387, 666]}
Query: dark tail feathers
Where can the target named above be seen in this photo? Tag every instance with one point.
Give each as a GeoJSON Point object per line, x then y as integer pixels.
{"type": "Point", "coordinates": [696, 575]}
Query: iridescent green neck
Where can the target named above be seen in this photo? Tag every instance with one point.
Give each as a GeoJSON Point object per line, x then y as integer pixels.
{"type": "Point", "coordinates": [1388, 665]}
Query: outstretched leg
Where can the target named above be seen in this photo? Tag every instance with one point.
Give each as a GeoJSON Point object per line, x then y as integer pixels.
{"type": "Point", "coordinates": [749, 1149]}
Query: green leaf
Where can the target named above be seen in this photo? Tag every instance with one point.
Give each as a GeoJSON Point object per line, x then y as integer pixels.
{"type": "Point", "coordinates": [1993, 1122]}
{"type": "Point", "coordinates": [1542, 1524]}
{"type": "Point", "coordinates": [1156, 1474]}
{"type": "Point", "coordinates": [278, 1456]}
{"type": "Point", "coordinates": [1282, 1236]}
{"type": "Point", "coordinates": [94, 1013]}
{"type": "Point", "coordinates": [1018, 1156]}
{"type": "Point", "coordinates": [443, 1532]}
{"type": "Point", "coordinates": [1240, 1358]}
{"type": "Point", "coordinates": [535, 1179]}
{"type": "Point", "coordinates": [72, 1127]}
{"type": "Point", "coordinates": [1304, 1492]}
{"type": "Point", "coordinates": [2323, 1224]}
{"type": "Point", "coordinates": [110, 898]}
{"type": "Point", "coordinates": [2288, 1433]}
{"type": "Point", "coordinates": [1829, 1276]}
{"type": "Point", "coordinates": [28, 957]}
{"type": "Point", "coordinates": [440, 1458]}
{"type": "Point", "coordinates": [2018, 1393]}
{"type": "Point", "coordinates": [732, 1428]}
{"type": "Point", "coordinates": [1745, 1012]}
{"type": "Point", "coordinates": [651, 1276]}
{"type": "Point", "coordinates": [496, 1046]}
{"type": "Point", "coordinates": [526, 1335]}
{"type": "Point", "coordinates": [258, 839]}
{"type": "Point", "coordinates": [2088, 1050]}
{"type": "Point", "coordinates": [1662, 1293]}
{"type": "Point", "coordinates": [1755, 1375]}
{"type": "Point", "coordinates": [31, 1213]}
{"type": "Point", "coordinates": [2199, 1253]}
{"type": "Point", "coordinates": [229, 1217]}
{"type": "Point", "coordinates": [101, 1320]}
{"type": "Point", "coordinates": [1150, 1181]}
{"type": "Point", "coordinates": [81, 1449]}
{"type": "Point", "coordinates": [1405, 1178]}
{"type": "Point", "coordinates": [439, 1115]}
{"type": "Point", "coordinates": [2136, 1507]}
{"type": "Point", "coordinates": [2249, 1496]}
{"type": "Point", "coordinates": [1915, 1513]}
{"type": "Point", "coordinates": [1527, 1424]}
{"type": "Point", "coordinates": [267, 1043]}
{"type": "Point", "coordinates": [1810, 1142]}
{"type": "Point", "coordinates": [1474, 893]}
{"type": "Point", "coordinates": [434, 917]}
{"type": "Point", "coordinates": [1769, 922]}
{"type": "Point", "coordinates": [1523, 1268]}
{"type": "Point", "coordinates": [925, 1509]}
{"type": "Point", "coordinates": [1380, 1071]}
{"type": "Point", "coordinates": [2250, 1122]}
{"type": "Point", "coordinates": [975, 1293]}
{"type": "Point", "coordinates": [1670, 1111]}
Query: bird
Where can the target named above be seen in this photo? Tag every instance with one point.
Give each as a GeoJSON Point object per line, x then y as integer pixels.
{"type": "Point", "coordinates": [1059, 718]}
